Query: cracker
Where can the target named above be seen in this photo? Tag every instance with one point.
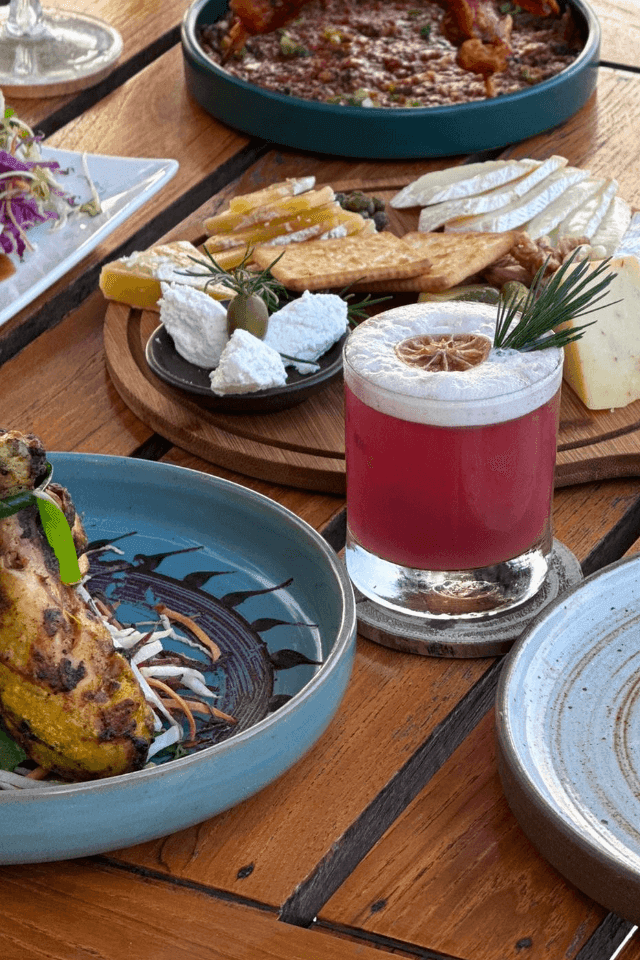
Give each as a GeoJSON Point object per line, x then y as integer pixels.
{"type": "Point", "coordinates": [454, 257]}
{"type": "Point", "coordinates": [318, 264]}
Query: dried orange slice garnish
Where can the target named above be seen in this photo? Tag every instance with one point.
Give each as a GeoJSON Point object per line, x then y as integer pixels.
{"type": "Point", "coordinates": [445, 351]}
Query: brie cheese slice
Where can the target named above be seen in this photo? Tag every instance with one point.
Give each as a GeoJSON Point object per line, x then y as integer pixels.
{"type": "Point", "coordinates": [522, 209]}
{"type": "Point", "coordinates": [435, 215]}
{"type": "Point", "coordinates": [463, 181]}
{"type": "Point", "coordinates": [620, 220]}
{"type": "Point", "coordinates": [557, 210]}
{"type": "Point", "coordinates": [585, 220]}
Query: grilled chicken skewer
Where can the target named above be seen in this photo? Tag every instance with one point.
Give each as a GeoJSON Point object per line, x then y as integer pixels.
{"type": "Point", "coordinates": [67, 696]}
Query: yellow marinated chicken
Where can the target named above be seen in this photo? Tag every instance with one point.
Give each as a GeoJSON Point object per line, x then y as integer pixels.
{"type": "Point", "coordinates": [67, 696]}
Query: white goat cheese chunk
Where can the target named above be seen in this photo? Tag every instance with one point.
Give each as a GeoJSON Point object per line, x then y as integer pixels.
{"type": "Point", "coordinates": [196, 323]}
{"type": "Point", "coordinates": [247, 364]}
{"type": "Point", "coordinates": [305, 328]}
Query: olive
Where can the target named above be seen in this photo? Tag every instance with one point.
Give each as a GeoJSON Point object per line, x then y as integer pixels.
{"type": "Point", "coordinates": [381, 220]}
{"type": "Point", "coordinates": [513, 289]}
{"type": "Point", "coordinates": [248, 312]}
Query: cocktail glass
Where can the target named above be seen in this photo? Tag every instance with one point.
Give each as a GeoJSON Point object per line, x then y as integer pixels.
{"type": "Point", "coordinates": [449, 472]}
{"type": "Point", "coordinates": [50, 52]}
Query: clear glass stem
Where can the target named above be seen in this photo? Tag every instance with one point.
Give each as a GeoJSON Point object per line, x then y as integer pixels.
{"type": "Point", "coordinates": [25, 20]}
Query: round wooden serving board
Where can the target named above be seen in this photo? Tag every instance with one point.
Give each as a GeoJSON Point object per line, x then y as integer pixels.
{"type": "Point", "coordinates": [304, 446]}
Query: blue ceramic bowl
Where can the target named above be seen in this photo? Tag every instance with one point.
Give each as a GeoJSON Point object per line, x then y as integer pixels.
{"type": "Point", "coordinates": [270, 568]}
{"type": "Point", "coordinates": [387, 134]}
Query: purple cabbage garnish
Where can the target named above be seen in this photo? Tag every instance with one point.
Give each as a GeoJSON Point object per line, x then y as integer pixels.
{"type": "Point", "coordinates": [19, 213]}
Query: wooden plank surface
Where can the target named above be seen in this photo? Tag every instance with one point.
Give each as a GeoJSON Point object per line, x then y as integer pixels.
{"type": "Point", "coordinates": [79, 910]}
{"type": "Point", "coordinates": [59, 389]}
{"type": "Point", "coordinates": [602, 137]}
{"type": "Point", "coordinates": [396, 731]}
{"type": "Point", "coordinates": [620, 23]}
{"type": "Point", "coordinates": [143, 26]}
{"type": "Point", "coordinates": [456, 874]}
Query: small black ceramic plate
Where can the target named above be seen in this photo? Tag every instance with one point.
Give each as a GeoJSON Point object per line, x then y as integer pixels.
{"type": "Point", "coordinates": [390, 133]}
{"type": "Point", "coordinates": [166, 363]}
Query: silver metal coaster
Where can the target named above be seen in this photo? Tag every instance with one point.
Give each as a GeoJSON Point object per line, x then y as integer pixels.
{"type": "Point", "coordinates": [490, 636]}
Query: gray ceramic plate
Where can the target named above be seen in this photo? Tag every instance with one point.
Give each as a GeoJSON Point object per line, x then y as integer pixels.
{"type": "Point", "coordinates": [568, 726]}
{"type": "Point", "coordinates": [387, 134]}
{"type": "Point", "coordinates": [269, 588]}
{"type": "Point", "coordinates": [166, 363]}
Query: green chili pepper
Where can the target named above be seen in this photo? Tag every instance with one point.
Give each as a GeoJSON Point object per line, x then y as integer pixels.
{"type": "Point", "coordinates": [56, 529]}
{"type": "Point", "coordinates": [58, 533]}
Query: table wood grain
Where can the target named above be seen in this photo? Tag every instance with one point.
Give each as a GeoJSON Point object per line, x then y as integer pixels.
{"type": "Point", "coordinates": [392, 836]}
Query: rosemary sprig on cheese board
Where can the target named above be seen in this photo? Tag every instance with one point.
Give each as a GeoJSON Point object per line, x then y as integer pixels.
{"type": "Point", "coordinates": [548, 305]}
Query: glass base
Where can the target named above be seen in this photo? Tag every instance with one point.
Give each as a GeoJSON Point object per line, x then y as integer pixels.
{"type": "Point", "coordinates": [65, 53]}
{"type": "Point", "coordinates": [451, 594]}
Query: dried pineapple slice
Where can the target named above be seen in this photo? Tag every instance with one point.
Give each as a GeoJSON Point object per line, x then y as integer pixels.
{"type": "Point", "coordinates": [354, 223]}
{"type": "Point", "coordinates": [260, 198]}
{"type": "Point", "coordinates": [285, 207]}
{"type": "Point", "coordinates": [313, 223]}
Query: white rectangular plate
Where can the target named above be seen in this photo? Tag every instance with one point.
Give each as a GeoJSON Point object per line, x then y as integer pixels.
{"type": "Point", "coordinates": [123, 185]}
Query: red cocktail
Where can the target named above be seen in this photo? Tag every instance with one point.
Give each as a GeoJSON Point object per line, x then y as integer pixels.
{"type": "Point", "coordinates": [449, 473]}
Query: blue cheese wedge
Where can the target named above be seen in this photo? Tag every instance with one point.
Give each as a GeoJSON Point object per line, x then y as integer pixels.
{"type": "Point", "coordinates": [247, 364]}
{"type": "Point", "coordinates": [603, 367]}
{"type": "Point", "coordinates": [196, 323]}
{"type": "Point", "coordinates": [435, 215]}
{"type": "Point", "coordinates": [464, 181]}
{"type": "Point", "coordinates": [307, 327]}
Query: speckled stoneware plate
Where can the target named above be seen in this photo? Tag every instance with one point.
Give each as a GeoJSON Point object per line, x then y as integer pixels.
{"type": "Point", "coordinates": [568, 728]}
{"type": "Point", "coordinates": [263, 583]}
{"type": "Point", "coordinates": [386, 134]}
{"type": "Point", "coordinates": [166, 363]}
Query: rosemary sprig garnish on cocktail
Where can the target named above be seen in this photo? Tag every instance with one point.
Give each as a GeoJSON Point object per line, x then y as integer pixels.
{"type": "Point", "coordinates": [564, 297]}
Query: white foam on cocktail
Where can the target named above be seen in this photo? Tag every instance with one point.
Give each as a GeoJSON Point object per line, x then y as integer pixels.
{"type": "Point", "coordinates": [507, 385]}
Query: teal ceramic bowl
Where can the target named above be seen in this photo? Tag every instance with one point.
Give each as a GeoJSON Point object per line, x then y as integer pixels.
{"type": "Point", "coordinates": [387, 134]}
{"type": "Point", "coordinates": [261, 573]}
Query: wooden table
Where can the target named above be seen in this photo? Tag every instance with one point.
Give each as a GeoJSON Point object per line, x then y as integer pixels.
{"type": "Point", "coordinates": [392, 837]}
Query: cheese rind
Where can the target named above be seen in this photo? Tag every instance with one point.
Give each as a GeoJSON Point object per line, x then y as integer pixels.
{"type": "Point", "coordinates": [603, 366]}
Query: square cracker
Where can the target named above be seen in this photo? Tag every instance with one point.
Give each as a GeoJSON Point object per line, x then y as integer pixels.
{"type": "Point", "coordinates": [453, 256]}
{"type": "Point", "coordinates": [318, 264]}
